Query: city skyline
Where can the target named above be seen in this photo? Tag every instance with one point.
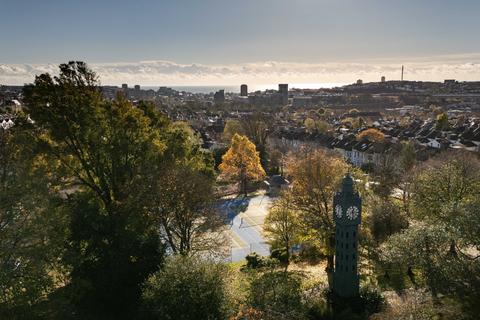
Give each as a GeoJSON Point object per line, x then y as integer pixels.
{"type": "Point", "coordinates": [257, 42]}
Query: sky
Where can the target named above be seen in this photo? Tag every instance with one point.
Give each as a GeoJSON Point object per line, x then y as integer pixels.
{"type": "Point", "coordinates": [212, 42]}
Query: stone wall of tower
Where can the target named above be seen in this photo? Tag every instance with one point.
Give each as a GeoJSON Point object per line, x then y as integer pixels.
{"type": "Point", "coordinates": [347, 216]}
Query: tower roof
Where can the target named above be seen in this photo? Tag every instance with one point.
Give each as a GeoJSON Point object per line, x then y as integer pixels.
{"type": "Point", "coordinates": [347, 184]}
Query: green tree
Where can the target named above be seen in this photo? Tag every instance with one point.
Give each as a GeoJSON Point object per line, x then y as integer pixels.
{"type": "Point", "coordinates": [277, 294]}
{"type": "Point", "coordinates": [386, 219]}
{"type": "Point", "coordinates": [108, 152]}
{"type": "Point", "coordinates": [231, 128]}
{"type": "Point", "coordinates": [422, 248]}
{"type": "Point", "coordinates": [442, 242]}
{"type": "Point", "coordinates": [282, 226]}
{"type": "Point", "coordinates": [242, 162]}
{"type": "Point", "coordinates": [188, 288]}
{"type": "Point", "coordinates": [442, 121]}
{"type": "Point", "coordinates": [408, 161]}
{"type": "Point", "coordinates": [256, 127]}
{"type": "Point", "coordinates": [32, 227]}
{"type": "Point", "coordinates": [387, 174]}
{"type": "Point", "coordinates": [310, 125]}
{"type": "Point", "coordinates": [183, 207]}
{"type": "Point", "coordinates": [445, 193]}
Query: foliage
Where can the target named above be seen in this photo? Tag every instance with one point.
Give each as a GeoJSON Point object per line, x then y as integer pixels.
{"type": "Point", "coordinates": [442, 121]}
{"type": "Point", "coordinates": [316, 176]}
{"type": "Point", "coordinates": [110, 154]}
{"type": "Point", "coordinates": [231, 128]}
{"type": "Point", "coordinates": [277, 293]}
{"type": "Point", "coordinates": [416, 304]}
{"type": "Point", "coordinates": [281, 254]}
{"type": "Point", "coordinates": [311, 251]}
{"type": "Point", "coordinates": [387, 175]}
{"type": "Point", "coordinates": [369, 301]}
{"type": "Point", "coordinates": [254, 261]}
{"type": "Point", "coordinates": [282, 226]}
{"type": "Point", "coordinates": [386, 219]}
{"type": "Point", "coordinates": [217, 156]}
{"type": "Point", "coordinates": [242, 162]}
{"type": "Point", "coordinates": [256, 127]}
{"type": "Point", "coordinates": [408, 157]}
{"type": "Point", "coordinates": [440, 248]}
{"type": "Point", "coordinates": [188, 288]}
{"type": "Point", "coordinates": [32, 226]}
{"type": "Point", "coordinates": [355, 123]}
{"type": "Point", "coordinates": [314, 126]}
{"type": "Point", "coordinates": [183, 207]}
{"type": "Point", "coordinates": [371, 134]}
{"type": "Point", "coordinates": [310, 125]}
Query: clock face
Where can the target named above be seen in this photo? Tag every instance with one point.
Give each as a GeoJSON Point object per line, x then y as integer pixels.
{"type": "Point", "coordinates": [338, 211]}
{"type": "Point", "coordinates": [352, 212]}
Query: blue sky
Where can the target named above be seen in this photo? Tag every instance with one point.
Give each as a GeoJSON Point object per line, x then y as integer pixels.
{"type": "Point", "coordinates": [233, 34]}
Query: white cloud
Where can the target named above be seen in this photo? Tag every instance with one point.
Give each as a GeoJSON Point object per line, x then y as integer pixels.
{"type": "Point", "coordinates": [460, 67]}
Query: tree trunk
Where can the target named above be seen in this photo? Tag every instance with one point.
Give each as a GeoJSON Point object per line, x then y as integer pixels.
{"type": "Point", "coordinates": [244, 183]}
{"type": "Point", "coordinates": [287, 247]}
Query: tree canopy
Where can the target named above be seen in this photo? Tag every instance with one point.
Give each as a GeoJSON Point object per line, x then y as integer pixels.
{"type": "Point", "coordinates": [372, 134]}
{"type": "Point", "coordinates": [242, 162]}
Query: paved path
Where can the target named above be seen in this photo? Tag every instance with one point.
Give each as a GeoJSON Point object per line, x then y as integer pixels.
{"type": "Point", "coordinates": [246, 225]}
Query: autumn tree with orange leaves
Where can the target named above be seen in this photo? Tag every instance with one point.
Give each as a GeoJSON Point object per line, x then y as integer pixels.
{"type": "Point", "coordinates": [242, 162]}
{"type": "Point", "coordinates": [372, 134]}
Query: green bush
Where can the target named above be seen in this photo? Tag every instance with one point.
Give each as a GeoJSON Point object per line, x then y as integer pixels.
{"type": "Point", "coordinates": [277, 292]}
{"type": "Point", "coordinates": [254, 261]}
{"type": "Point", "coordinates": [280, 254]}
{"type": "Point", "coordinates": [187, 288]}
{"type": "Point", "coordinates": [367, 303]}
{"type": "Point", "coordinates": [372, 300]}
{"type": "Point", "coordinates": [311, 252]}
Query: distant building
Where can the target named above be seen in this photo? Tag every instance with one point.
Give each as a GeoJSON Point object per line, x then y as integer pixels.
{"type": "Point", "coordinates": [449, 81]}
{"type": "Point", "coordinates": [301, 101]}
{"type": "Point", "coordinates": [359, 81]}
{"type": "Point", "coordinates": [124, 86]}
{"type": "Point", "coordinates": [219, 96]}
{"type": "Point", "coordinates": [137, 87]}
{"type": "Point", "coordinates": [382, 79]}
{"type": "Point", "coordinates": [283, 90]}
{"type": "Point", "coordinates": [243, 90]}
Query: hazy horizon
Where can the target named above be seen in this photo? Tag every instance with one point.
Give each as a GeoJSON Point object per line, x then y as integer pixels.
{"type": "Point", "coordinates": [256, 42]}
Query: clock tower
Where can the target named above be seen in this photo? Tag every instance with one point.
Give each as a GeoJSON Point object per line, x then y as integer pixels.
{"type": "Point", "coordinates": [347, 208]}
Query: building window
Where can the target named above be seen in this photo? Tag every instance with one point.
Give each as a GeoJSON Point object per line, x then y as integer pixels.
{"type": "Point", "coordinates": [354, 234]}
{"type": "Point", "coordinates": [346, 235]}
{"type": "Point", "coordinates": [346, 245]}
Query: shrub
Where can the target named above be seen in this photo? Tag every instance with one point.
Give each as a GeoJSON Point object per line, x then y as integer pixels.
{"type": "Point", "coordinates": [277, 292]}
{"type": "Point", "coordinates": [187, 288]}
{"type": "Point", "coordinates": [254, 261]}
{"type": "Point", "coordinates": [311, 252]}
{"type": "Point", "coordinates": [372, 300]}
{"type": "Point", "coordinates": [280, 254]}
